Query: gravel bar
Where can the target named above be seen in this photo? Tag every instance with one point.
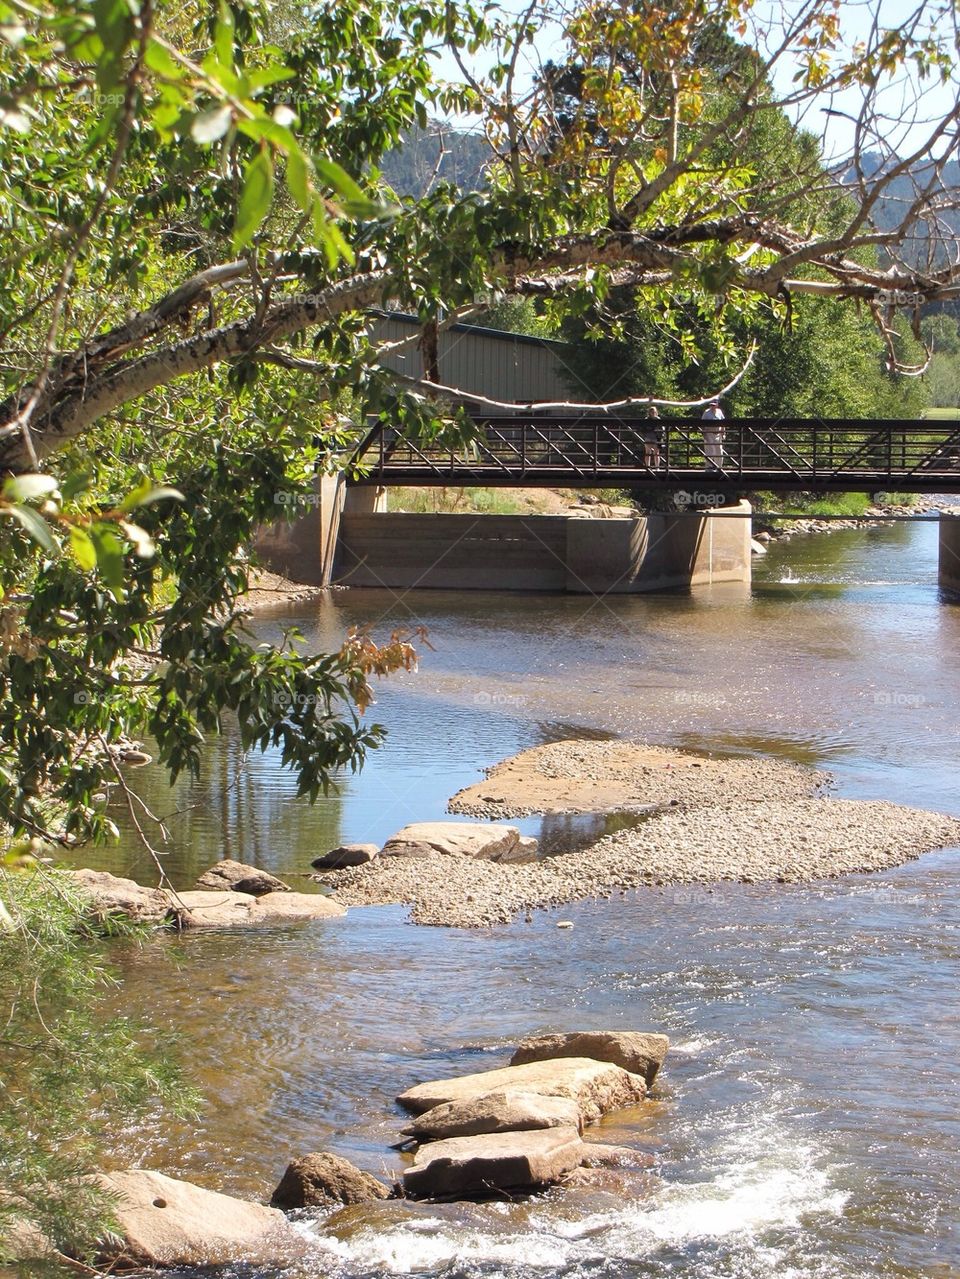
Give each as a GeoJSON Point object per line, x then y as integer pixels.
{"type": "Point", "coordinates": [787, 840]}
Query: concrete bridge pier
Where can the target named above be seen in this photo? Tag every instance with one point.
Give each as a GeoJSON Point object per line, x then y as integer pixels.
{"type": "Point", "coordinates": [305, 549]}
{"type": "Point", "coordinates": [949, 574]}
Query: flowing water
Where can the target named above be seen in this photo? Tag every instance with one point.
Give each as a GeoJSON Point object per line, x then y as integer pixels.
{"type": "Point", "coordinates": [806, 1123]}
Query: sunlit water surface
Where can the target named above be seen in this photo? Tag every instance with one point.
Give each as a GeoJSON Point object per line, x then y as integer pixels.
{"type": "Point", "coordinates": [806, 1123]}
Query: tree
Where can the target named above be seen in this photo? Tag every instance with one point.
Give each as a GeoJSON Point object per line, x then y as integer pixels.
{"type": "Point", "coordinates": [196, 226]}
{"type": "Point", "coordinates": [200, 226]}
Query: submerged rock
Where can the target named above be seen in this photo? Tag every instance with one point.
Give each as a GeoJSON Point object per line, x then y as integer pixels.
{"type": "Point", "coordinates": [162, 1221]}
{"type": "Point", "coordinates": [219, 909]}
{"type": "Point", "coordinates": [494, 1161]}
{"type": "Point", "coordinates": [600, 1154]}
{"type": "Point", "coordinates": [230, 909]}
{"type": "Point", "coordinates": [319, 1179]}
{"type": "Point", "coordinates": [289, 908]}
{"type": "Point", "coordinates": [489, 841]}
{"type": "Point", "coordinates": [228, 875]}
{"type": "Point", "coordinates": [640, 1052]}
{"type": "Point", "coordinates": [597, 1087]}
{"type": "Point", "coordinates": [346, 855]}
{"type": "Point", "coordinates": [506, 1110]}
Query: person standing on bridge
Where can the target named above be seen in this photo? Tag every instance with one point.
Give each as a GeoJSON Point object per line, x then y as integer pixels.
{"type": "Point", "coordinates": [714, 433]}
{"type": "Point", "coordinates": [652, 436]}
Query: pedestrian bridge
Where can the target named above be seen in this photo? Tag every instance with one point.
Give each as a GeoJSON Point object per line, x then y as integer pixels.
{"type": "Point", "coordinates": [703, 536]}
{"type": "Point", "coordinates": [600, 451]}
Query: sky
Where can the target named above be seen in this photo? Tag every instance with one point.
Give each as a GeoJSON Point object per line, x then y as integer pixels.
{"type": "Point", "coordinates": [906, 103]}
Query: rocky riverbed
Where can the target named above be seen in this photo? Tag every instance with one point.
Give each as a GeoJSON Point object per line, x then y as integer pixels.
{"type": "Point", "coordinates": [717, 821]}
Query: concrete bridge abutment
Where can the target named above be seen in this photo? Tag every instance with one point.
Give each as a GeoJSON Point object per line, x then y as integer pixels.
{"type": "Point", "coordinates": [949, 570]}
{"type": "Point", "coordinates": [559, 553]}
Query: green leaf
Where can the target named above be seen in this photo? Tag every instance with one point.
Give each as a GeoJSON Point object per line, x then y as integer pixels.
{"type": "Point", "coordinates": [223, 35]}
{"type": "Point", "coordinates": [35, 524]}
{"type": "Point", "coordinates": [334, 245]}
{"type": "Point", "coordinates": [161, 61]}
{"type": "Point", "coordinates": [255, 199]}
{"type": "Point", "coordinates": [109, 552]}
{"type": "Point", "coordinates": [26, 488]}
{"type": "Point", "coordinates": [146, 493]}
{"type": "Point", "coordinates": [211, 125]}
{"type": "Point", "coordinates": [115, 28]}
{"type": "Point", "coordinates": [82, 548]}
{"type": "Point", "coordinates": [339, 179]}
{"type": "Point", "coordinates": [263, 77]}
{"type": "Point", "coordinates": [298, 180]}
{"type": "Point", "coordinates": [74, 484]}
{"type": "Point", "coordinates": [265, 129]}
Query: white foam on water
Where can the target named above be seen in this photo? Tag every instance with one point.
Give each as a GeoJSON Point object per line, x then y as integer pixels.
{"type": "Point", "coordinates": [431, 1244]}
{"type": "Point", "coordinates": [762, 1182]}
{"type": "Point", "coordinates": [691, 1047]}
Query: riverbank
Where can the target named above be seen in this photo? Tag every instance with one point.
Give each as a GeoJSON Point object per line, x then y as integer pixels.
{"type": "Point", "coordinates": [268, 590]}
{"type": "Point", "coordinates": [739, 820]}
{"type": "Point", "coordinates": [766, 530]}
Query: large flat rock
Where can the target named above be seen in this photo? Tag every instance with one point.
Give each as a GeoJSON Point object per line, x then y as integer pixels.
{"type": "Point", "coordinates": [162, 1221]}
{"type": "Point", "coordinates": [481, 1165]}
{"type": "Point", "coordinates": [640, 1052]}
{"type": "Point", "coordinates": [505, 1110]}
{"type": "Point", "coordinates": [110, 895]}
{"type": "Point", "coordinates": [492, 841]}
{"type": "Point", "coordinates": [596, 1086]}
{"type": "Point", "coordinates": [232, 910]}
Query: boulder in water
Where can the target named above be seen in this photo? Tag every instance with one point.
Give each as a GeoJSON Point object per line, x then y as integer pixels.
{"type": "Point", "coordinates": [503, 1161]}
{"type": "Point", "coordinates": [162, 1221]}
{"type": "Point", "coordinates": [322, 1179]}
{"type": "Point", "coordinates": [597, 1087]}
{"type": "Point", "coordinates": [110, 895]}
{"type": "Point", "coordinates": [491, 841]}
{"type": "Point", "coordinates": [346, 855]}
{"type": "Point", "coordinates": [231, 876]}
{"type": "Point", "coordinates": [230, 909]}
{"type": "Point", "coordinates": [506, 1110]}
{"type": "Point", "coordinates": [640, 1052]}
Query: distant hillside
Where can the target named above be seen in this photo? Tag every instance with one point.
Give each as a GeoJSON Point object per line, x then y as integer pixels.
{"type": "Point", "coordinates": [896, 201]}
{"type": "Point", "coordinates": [412, 168]}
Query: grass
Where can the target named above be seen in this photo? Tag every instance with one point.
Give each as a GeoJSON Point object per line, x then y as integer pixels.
{"type": "Point", "coordinates": [942, 415]}
{"type": "Point", "coordinates": [851, 506]}
{"type": "Point", "coordinates": [445, 501]}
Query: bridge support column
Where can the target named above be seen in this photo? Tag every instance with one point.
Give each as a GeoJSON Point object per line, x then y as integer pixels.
{"type": "Point", "coordinates": [949, 575]}
{"type": "Point", "coordinates": [365, 499]}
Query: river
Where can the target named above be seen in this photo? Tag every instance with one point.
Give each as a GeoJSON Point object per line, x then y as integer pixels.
{"type": "Point", "coordinates": [806, 1123]}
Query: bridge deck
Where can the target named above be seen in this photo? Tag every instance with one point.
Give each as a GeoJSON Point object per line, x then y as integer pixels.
{"type": "Point", "coordinates": [600, 452]}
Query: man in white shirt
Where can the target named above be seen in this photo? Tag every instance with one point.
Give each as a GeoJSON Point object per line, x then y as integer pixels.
{"type": "Point", "coordinates": [714, 433]}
